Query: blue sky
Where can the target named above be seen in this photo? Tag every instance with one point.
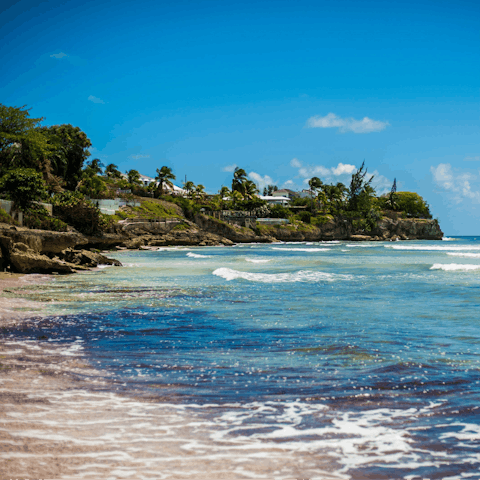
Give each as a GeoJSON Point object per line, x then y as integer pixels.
{"type": "Point", "coordinates": [284, 89]}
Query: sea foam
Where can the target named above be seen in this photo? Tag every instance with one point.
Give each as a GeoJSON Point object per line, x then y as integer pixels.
{"type": "Point", "coordinates": [302, 249]}
{"type": "Point", "coordinates": [300, 276]}
{"type": "Point", "coordinates": [197, 255]}
{"type": "Point", "coordinates": [454, 267]}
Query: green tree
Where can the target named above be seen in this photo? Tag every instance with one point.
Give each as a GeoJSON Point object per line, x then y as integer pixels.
{"type": "Point", "coordinates": [69, 150]}
{"type": "Point", "coordinates": [112, 171]}
{"type": "Point", "coordinates": [238, 181]}
{"type": "Point", "coordinates": [164, 177]}
{"type": "Point", "coordinates": [413, 205]}
{"type": "Point", "coordinates": [189, 187]}
{"type": "Point", "coordinates": [134, 177]}
{"type": "Point", "coordinates": [360, 190]}
{"type": "Point", "coordinates": [22, 144]}
{"type": "Point", "coordinates": [23, 186]}
{"type": "Point", "coordinates": [250, 190]}
{"type": "Point", "coordinates": [199, 192]}
{"type": "Point", "coordinates": [269, 189]}
{"type": "Point", "coordinates": [96, 165]}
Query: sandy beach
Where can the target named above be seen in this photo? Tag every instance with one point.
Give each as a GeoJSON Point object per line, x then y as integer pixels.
{"type": "Point", "coordinates": [61, 418]}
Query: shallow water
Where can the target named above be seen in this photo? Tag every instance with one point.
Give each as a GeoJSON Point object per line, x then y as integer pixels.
{"type": "Point", "coordinates": [364, 353]}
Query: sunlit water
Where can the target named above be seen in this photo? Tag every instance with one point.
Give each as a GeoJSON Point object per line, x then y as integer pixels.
{"type": "Point", "coordinates": [365, 352]}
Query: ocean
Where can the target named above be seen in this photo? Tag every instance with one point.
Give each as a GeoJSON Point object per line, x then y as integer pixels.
{"type": "Point", "coordinates": [288, 361]}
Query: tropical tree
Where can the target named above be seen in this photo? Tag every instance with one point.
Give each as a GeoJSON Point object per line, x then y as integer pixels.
{"type": "Point", "coordinates": [250, 190]}
{"type": "Point", "coordinates": [22, 144]}
{"type": "Point", "coordinates": [164, 177]}
{"type": "Point", "coordinates": [112, 171]}
{"type": "Point", "coordinates": [269, 189]}
{"type": "Point", "coordinates": [189, 187]}
{"type": "Point", "coordinates": [315, 184]}
{"type": "Point", "coordinates": [199, 192]}
{"type": "Point", "coordinates": [239, 179]}
{"type": "Point", "coordinates": [23, 186]}
{"type": "Point", "coordinates": [360, 191]}
{"type": "Point", "coordinates": [95, 165]}
{"type": "Point", "coordinates": [393, 197]}
{"type": "Point", "coordinates": [134, 177]}
{"type": "Point", "coordinates": [68, 152]}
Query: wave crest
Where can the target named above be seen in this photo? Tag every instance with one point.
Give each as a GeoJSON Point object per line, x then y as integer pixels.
{"type": "Point", "coordinates": [454, 267]}
{"type": "Point", "coordinates": [300, 276]}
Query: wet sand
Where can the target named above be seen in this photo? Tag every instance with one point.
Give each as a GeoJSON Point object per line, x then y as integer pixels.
{"type": "Point", "coordinates": [61, 418]}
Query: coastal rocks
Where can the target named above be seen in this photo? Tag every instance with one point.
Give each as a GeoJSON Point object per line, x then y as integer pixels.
{"type": "Point", "coordinates": [24, 260]}
{"type": "Point", "coordinates": [87, 258]}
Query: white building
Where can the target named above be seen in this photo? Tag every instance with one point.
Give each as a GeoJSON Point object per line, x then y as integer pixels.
{"type": "Point", "coordinates": [275, 200]}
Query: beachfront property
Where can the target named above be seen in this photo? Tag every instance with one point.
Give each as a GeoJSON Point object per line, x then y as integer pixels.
{"type": "Point", "coordinates": [275, 199]}
{"type": "Point", "coordinates": [285, 192]}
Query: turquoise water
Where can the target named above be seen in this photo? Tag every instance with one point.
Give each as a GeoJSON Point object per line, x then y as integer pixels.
{"type": "Point", "coordinates": [368, 352]}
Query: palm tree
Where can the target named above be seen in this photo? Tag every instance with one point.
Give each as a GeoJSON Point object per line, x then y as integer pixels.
{"type": "Point", "coordinates": [112, 171]}
{"type": "Point", "coordinates": [165, 177]}
{"type": "Point", "coordinates": [249, 189]}
{"type": "Point", "coordinates": [239, 179]}
{"type": "Point", "coordinates": [189, 187]}
{"type": "Point", "coordinates": [134, 177]}
{"type": "Point", "coordinates": [200, 192]}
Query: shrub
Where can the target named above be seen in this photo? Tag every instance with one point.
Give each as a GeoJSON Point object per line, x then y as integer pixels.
{"type": "Point", "coordinates": [305, 217]}
{"type": "Point", "coordinates": [6, 218]}
{"type": "Point", "coordinates": [23, 186]}
{"type": "Point", "coordinates": [37, 217]}
{"type": "Point", "coordinates": [413, 205]}
{"type": "Point", "coordinates": [74, 209]}
{"type": "Point", "coordinates": [279, 211]}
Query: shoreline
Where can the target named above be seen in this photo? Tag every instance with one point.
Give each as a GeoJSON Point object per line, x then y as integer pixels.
{"type": "Point", "coordinates": [62, 418]}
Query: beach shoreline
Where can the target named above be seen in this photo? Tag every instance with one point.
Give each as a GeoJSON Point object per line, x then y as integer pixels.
{"type": "Point", "coordinates": [62, 418]}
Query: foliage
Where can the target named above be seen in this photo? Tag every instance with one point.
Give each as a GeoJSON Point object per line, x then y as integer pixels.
{"type": "Point", "coordinates": [279, 211]}
{"type": "Point", "coordinates": [269, 189]}
{"type": "Point", "coordinates": [360, 190]}
{"type": "Point", "coordinates": [238, 181]}
{"type": "Point", "coordinates": [69, 150]}
{"type": "Point", "coordinates": [134, 177]}
{"type": "Point", "coordinates": [151, 209]}
{"type": "Point", "coordinates": [37, 217]}
{"type": "Point", "coordinates": [112, 171]}
{"type": "Point", "coordinates": [74, 209]}
{"type": "Point", "coordinates": [305, 217]}
{"type": "Point", "coordinates": [164, 177]}
{"type": "Point", "coordinates": [96, 166]}
{"type": "Point", "coordinates": [189, 207]}
{"type": "Point", "coordinates": [6, 218]}
{"type": "Point", "coordinates": [413, 205]}
{"type": "Point", "coordinates": [21, 142]}
{"type": "Point", "coordinates": [23, 186]}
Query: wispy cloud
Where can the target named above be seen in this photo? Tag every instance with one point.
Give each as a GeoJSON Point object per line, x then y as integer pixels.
{"type": "Point", "coordinates": [95, 99]}
{"type": "Point", "coordinates": [261, 182]}
{"type": "Point", "coordinates": [472, 159]}
{"type": "Point", "coordinates": [458, 183]}
{"type": "Point", "coordinates": [59, 55]}
{"type": "Point", "coordinates": [344, 125]}
{"type": "Point", "coordinates": [136, 157]}
{"type": "Point", "coordinates": [230, 168]}
{"type": "Point", "coordinates": [309, 171]}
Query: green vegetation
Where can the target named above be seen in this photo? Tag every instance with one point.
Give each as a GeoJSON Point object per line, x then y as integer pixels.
{"type": "Point", "coordinates": [39, 163]}
{"type": "Point", "coordinates": [6, 218]}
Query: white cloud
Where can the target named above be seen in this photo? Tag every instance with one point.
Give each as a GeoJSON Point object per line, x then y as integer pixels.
{"type": "Point", "coordinates": [95, 99]}
{"type": "Point", "coordinates": [309, 171]}
{"type": "Point", "coordinates": [342, 169]}
{"type": "Point", "coordinates": [136, 157]}
{"type": "Point", "coordinates": [472, 159]}
{"type": "Point", "coordinates": [289, 183]}
{"type": "Point", "coordinates": [261, 182]}
{"type": "Point", "coordinates": [229, 168]}
{"type": "Point", "coordinates": [458, 183]}
{"type": "Point", "coordinates": [366, 125]}
{"type": "Point", "coordinates": [59, 55]}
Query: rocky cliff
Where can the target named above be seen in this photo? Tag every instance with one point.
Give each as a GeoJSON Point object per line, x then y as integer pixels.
{"type": "Point", "coordinates": [38, 251]}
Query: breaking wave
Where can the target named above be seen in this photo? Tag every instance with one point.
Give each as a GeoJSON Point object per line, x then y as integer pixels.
{"type": "Point", "coordinates": [300, 276]}
{"type": "Point", "coordinates": [197, 255]}
{"type": "Point", "coordinates": [257, 260]}
{"type": "Point", "coordinates": [454, 267]}
{"type": "Point", "coordinates": [302, 249]}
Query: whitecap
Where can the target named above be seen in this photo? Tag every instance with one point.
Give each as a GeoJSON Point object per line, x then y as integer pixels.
{"type": "Point", "coordinates": [454, 267]}
{"type": "Point", "coordinates": [464, 254]}
{"type": "Point", "coordinates": [197, 255]}
{"type": "Point", "coordinates": [434, 247]}
{"type": "Point", "coordinates": [257, 260]}
{"type": "Point", "coordinates": [300, 276]}
{"type": "Point", "coordinates": [302, 249]}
